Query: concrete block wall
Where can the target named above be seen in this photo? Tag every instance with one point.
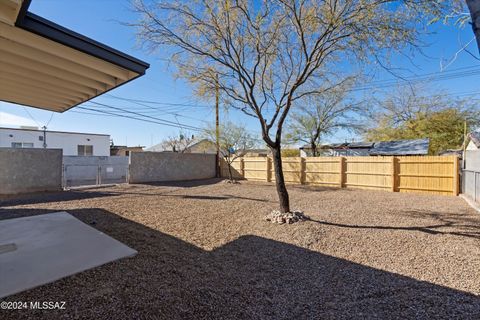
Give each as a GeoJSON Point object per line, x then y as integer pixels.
{"type": "Point", "coordinates": [169, 166]}
{"type": "Point", "coordinates": [30, 170]}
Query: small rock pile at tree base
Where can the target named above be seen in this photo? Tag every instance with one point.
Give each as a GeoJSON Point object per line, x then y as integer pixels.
{"type": "Point", "coordinates": [231, 181]}
{"type": "Point", "coordinates": [287, 217]}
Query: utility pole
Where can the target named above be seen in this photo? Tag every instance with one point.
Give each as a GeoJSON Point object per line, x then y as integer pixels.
{"type": "Point", "coordinates": [44, 137]}
{"type": "Point", "coordinates": [217, 129]}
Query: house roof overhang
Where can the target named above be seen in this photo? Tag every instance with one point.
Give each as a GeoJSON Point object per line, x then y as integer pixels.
{"type": "Point", "coordinates": [47, 66]}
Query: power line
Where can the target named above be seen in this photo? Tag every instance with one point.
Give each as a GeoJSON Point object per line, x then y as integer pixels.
{"type": "Point", "coordinates": [433, 76]}
{"type": "Point", "coordinates": [162, 111]}
{"type": "Point", "coordinates": [135, 118]}
{"type": "Point", "coordinates": [31, 117]}
{"type": "Point", "coordinates": [147, 116]}
{"type": "Point", "coordinates": [159, 103]}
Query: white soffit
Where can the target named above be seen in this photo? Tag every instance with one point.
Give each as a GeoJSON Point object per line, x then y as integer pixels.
{"type": "Point", "coordinates": [46, 66]}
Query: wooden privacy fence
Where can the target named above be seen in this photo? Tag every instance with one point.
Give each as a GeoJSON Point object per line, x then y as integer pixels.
{"type": "Point", "coordinates": [418, 174]}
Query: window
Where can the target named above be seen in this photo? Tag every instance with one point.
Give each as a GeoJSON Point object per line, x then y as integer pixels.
{"type": "Point", "coordinates": [85, 150]}
{"type": "Point", "coordinates": [127, 153]}
{"type": "Point", "coordinates": [22, 144]}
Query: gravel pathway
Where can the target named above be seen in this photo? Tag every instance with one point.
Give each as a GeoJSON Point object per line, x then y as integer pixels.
{"type": "Point", "coordinates": [205, 252]}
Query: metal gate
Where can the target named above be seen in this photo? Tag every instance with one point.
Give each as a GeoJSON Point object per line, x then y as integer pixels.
{"type": "Point", "coordinates": [91, 171]}
{"type": "Point", "coordinates": [471, 184]}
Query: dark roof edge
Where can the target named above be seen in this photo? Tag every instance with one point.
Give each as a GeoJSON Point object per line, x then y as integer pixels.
{"type": "Point", "coordinates": [23, 11]}
{"type": "Point", "coordinates": [48, 29]}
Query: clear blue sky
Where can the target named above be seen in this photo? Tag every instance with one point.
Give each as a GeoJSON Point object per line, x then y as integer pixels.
{"type": "Point", "coordinates": [100, 20]}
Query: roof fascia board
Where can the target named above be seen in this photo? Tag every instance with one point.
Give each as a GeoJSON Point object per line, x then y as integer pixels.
{"type": "Point", "coordinates": [48, 29]}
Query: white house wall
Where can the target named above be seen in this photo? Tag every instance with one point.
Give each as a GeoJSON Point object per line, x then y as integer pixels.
{"type": "Point", "coordinates": [68, 142]}
{"type": "Point", "coordinates": [471, 146]}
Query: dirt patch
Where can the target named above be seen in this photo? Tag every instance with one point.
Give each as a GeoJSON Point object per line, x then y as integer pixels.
{"type": "Point", "coordinates": [205, 251]}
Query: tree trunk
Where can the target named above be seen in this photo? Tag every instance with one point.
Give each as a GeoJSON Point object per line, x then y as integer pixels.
{"type": "Point", "coordinates": [314, 149]}
{"type": "Point", "coordinates": [230, 171]}
{"type": "Point", "coordinates": [280, 180]}
{"type": "Point", "coordinates": [474, 8]}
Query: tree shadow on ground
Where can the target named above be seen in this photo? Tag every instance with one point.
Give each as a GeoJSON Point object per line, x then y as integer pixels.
{"type": "Point", "coordinates": [447, 223]}
{"type": "Point", "coordinates": [183, 184]}
{"type": "Point", "coordinates": [47, 197]}
{"type": "Point", "coordinates": [250, 277]}
{"type": "Point", "coordinates": [191, 197]}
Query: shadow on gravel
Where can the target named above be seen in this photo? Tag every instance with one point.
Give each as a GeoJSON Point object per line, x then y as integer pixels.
{"type": "Point", "coordinates": [461, 229]}
{"type": "Point", "coordinates": [248, 278]}
{"type": "Point", "coordinates": [47, 197]}
{"type": "Point", "coordinates": [183, 184]}
{"type": "Point", "coordinates": [191, 197]}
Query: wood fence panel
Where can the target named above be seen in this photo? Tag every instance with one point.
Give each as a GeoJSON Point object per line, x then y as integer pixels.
{"type": "Point", "coordinates": [418, 174]}
{"type": "Point", "coordinates": [427, 174]}
{"type": "Point", "coordinates": [323, 171]}
{"type": "Point", "coordinates": [292, 172]}
{"type": "Point", "coordinates": [237, 168]}
{"type": "Point", "coordinates": [372, 173]}
{"type": "Point", "coordinates": [255, 168]}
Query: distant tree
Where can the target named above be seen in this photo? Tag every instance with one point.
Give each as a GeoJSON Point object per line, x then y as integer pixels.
{"type": "Point", "coordinates": [263, 56]}
{"type": "Point", "coordinates": [320, 115]}
{"type": "Point", "coordinates": [409, 115]}
{"type": "Point", "coordinates": [234, 142]}
{"type": "Point", "coordinates": [290, 153]}
{"type": "Point", "coordinates": [179, 143]}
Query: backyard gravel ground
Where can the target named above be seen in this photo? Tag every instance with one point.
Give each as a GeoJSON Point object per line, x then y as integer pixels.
{"type": "Point", "coordinates": [206, 252]}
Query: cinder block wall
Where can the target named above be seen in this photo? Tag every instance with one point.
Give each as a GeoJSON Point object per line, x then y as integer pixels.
{"type": "Point", "coordinates": [163, 166]}
{"type": "Point", "coordinates": [30, 170]}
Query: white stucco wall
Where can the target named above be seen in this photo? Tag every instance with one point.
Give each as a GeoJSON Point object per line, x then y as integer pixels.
{"type": "Point", "coordinates": [471, 146]}
{"type": "Point", "coordinates": [68, 142]}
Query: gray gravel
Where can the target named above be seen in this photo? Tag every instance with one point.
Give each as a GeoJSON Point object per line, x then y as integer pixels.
{"type": "Point", "coordinates": [205, 251]}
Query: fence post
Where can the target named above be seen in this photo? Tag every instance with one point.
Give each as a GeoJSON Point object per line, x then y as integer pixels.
{"type": "Point", "coordinates": [394, 174]}
{"type": "Point", "coordinates": [342, 171]}
{"type": "Point", "coordinates": [455, 176]}
{"type": "Point", "coordinates": [64, 176]}
{"type": "Point", "coordinates": [99, 173]}
{"type": "Point", "coordinates": [242, 167]}
{"type": "Point", "coordinates": [268, 169]}
{"type": "Point", "coordinates": [302, 170]}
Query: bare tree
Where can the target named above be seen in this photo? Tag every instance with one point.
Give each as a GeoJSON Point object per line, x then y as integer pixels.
{"type": "Point", "coordinates": [415, 113]}
{"type": "Point", "coordinates": [269, 54]}
{"type": "Point", "coordinates": [235, 141]}
{"type": "Point", "coordinates": [179, 143]}
{"type": "Point", "coordinates": [320, 115]}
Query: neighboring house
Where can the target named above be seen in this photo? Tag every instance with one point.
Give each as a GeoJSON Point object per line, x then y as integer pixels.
{"type": "Point", "coordinates": [382, 148]}
{"type": "Point", "coordinates": [474, 143]}
{"type": "Point", "coordinates": [417, 147]}
{"type": "Point", "coordinates": [339, 149]}
{"type": "Point", "coordinates": [257, 153]}
{"type": "Point", "coordinates": [200, 146]}
{"type": "Point", "coordinates": [124, 150]}
{"type": "Point", "coordinates": [452, 152]}
{"type": "Point", "coordinates": [72, 143]}
{"type": "Point", "coordinates": [158, 148]}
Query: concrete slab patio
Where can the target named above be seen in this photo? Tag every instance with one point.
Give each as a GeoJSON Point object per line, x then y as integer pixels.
{"type": "Point", "coordinates": [44, 248]}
